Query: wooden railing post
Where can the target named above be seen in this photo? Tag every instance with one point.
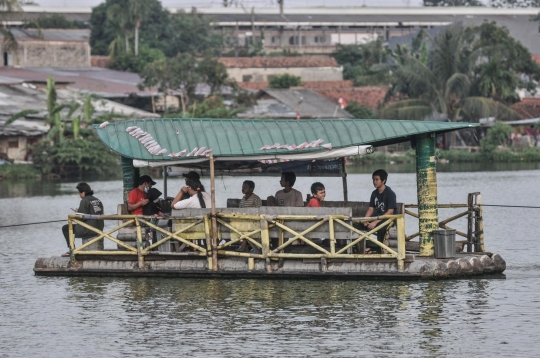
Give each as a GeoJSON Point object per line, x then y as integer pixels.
{"type": "Point", "coordinates": [207, 229]}
{"type": "Point", "coordinates": [71, 241]}
{"type": "Point", "coordinates": [470, 219]}
{"type": "Point", "coordinates": [332, 235]}
{"type": "Point", "coordinates": [401, 242]}
{"type": "Point", "coordinates": [479, 225]}
{"type": "Point", "coordinates": [139, 244]}
{"type": "Point", "coordinates": [265, 242]}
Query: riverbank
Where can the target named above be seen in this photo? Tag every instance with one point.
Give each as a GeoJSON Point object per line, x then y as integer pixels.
{"type": "Point", "coordinates": [506, 155]}
{"type": "Point", "coordinates": [19, 171]}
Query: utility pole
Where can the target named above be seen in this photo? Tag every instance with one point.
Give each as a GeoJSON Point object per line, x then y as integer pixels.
{"type": "Point", "coordinates": [280, 2]}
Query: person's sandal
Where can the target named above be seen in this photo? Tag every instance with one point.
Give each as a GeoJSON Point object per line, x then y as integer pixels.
{"type": "Point", "coordinates": [67, 254]}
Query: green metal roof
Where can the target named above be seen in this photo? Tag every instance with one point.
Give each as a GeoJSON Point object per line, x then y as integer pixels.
{"type": "Point", "coordinates": [243, 137]}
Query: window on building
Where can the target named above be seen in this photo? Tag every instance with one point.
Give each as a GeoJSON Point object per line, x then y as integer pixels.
{"type": "Point", "coordinates": [247, 78]}
{"type": "Point", "coordinates": [13, 144]}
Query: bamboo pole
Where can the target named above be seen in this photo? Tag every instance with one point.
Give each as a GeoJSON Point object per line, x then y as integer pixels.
{"type": "Point", "coordinates": [207, 227]}
{"type": "Point", "coordinates": [401, 243]}
{"type": "Point", "coordinates": [71, 241]}
{"type": "Point", "coordinates": [214, 212]}
{"type": "Point", "coordinates": [139, 244]}
{"type": "Point", "coordinates": [332, 236]}
{"type": "Point", "coordinates": [480, 224]}
{"type": "Point", "coordinates": [440, 206]}
{"type": "Point", "coordinates": [470, 219]}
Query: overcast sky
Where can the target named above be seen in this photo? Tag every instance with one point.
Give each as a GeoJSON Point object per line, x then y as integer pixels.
{"type": "Point", "coordinates": [247, 3]}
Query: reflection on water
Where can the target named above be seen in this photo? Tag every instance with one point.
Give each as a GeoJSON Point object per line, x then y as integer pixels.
{"type": "Point", "coordinates": [158, 317]}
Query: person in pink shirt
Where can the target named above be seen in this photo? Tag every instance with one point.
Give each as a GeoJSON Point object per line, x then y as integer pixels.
{"type": "Point", "coordinates": [319, 193]}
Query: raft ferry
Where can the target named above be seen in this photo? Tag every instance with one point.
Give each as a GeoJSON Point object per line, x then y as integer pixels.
{"type": "Point", "coordinates": [326, 242]}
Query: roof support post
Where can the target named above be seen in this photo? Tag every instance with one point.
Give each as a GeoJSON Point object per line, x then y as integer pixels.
{"type": "Point", "coordinates": [130, 176]}
{"type": "Point", "coordinates": [214, 212]}
{"type": "Point", "coordinates": [165, 174]}
{"type": "Point", "coordinates": [426, 180]}
{"type": "Point", "coordinates": [344, 179]}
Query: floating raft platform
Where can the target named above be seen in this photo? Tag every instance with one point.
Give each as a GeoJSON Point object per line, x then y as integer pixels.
{"type": "Point", "coordinates": [159, 265]}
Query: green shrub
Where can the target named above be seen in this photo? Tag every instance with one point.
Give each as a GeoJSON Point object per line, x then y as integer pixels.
{"type": "Point", "coordinates": [18, 171]}
{"type": "Point", "coordinates": [131, 63]}
{"type": "Point", "coordinates": [359, 110]}
{"type": "Point", "coordinates": [284, 81]}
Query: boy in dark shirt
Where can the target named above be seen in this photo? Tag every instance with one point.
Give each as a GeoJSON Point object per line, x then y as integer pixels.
{"type": "Point", "coordinates": [382, 202]}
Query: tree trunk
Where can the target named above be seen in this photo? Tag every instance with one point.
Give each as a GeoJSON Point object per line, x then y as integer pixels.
{"type": "Point", "coordinates": [153, 100]}
{"type": "Point", "coordinates": [183, 101]}
{"type": "Point", "coordinates": [127, 41]}
{"type": "Point", "coordinates": [137, 25]}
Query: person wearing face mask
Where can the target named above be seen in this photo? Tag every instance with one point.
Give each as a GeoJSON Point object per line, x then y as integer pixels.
{"type": "Point", "coordinates": [138, 196]}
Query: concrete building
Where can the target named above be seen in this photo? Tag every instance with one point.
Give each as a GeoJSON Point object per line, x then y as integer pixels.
{"type": "Point", "coordinates": [262, 69]}
{"type": "Point", "coordinates": [318, 30]}
{"type": "Point", "coordinates": [48, 48]}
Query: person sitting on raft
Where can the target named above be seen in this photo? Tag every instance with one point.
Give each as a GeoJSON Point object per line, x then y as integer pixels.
{"type": "Point", "coordinates": [318, 193]}
{"type": "Point", "coordinates": [198, 198]}
{"type": "Point", "coordinates": [137, 197]}
{"type": "Point", "coordinates": [89, 205]}
{"type": "Point", "coordinates": [288, 196]}
{"type": "Point", "coordinates": [382, 202]}
{"type": "Point", "coordinates": [249, 200]}
{"type": "Point", "coordinates": [189, 175]}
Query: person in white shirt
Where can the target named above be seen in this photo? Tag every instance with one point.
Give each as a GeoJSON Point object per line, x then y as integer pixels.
{"type": "Point", "coordinates": [198, 198]}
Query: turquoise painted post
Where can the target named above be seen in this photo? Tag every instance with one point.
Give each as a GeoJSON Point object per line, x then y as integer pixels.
{"type": "Point", "coordinates": [130, 176]}
{"type": "Point", "coordinates": [426, 180]}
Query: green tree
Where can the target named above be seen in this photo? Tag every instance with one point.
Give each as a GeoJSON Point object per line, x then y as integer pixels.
{"type": "Point", "coordinates": [70, 148]}
{"type": "Point", "coordinates": [119, 19]}
{"type": "Point", "coordinates": [506, 65]}
{"type": "Point", "coordinates": [7, 7]}
{"type": "Point", "coordinates": [127, 62]}
{"type": "Point", "coordinates": [184, 77]}
{"type": "Point", "coordinates": [284, 81]}
{"type": "Point", "coordinates": [213, 73]}
{"type": "Point", "coordinates": [362, 63]}
{"type": "Point", "coordinates": [359, 110]}
{"type": "Point", "coordinates": [496, 136]}
{"type": "Point", "coordinates": [444, 84]}
{"type": "Point", "coordinates": [139, 11]}
{"type": "Point", "coordinates": [191, 33]}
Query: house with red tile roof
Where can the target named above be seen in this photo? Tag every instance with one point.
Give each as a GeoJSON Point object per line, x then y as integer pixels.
{"type": "Point", "coordinates": [262, 68]}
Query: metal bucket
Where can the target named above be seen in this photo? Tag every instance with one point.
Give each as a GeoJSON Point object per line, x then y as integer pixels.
{"type": "Point", "coordinates": [167, 246]}
{"type": "Point", "coordinates": [445, 243]}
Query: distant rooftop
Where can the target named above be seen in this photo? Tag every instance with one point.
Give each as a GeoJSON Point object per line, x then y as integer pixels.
{"type": "Point", "coordinates": [51, 34]}
{"type": "Point", "coordinates": [278, 61]}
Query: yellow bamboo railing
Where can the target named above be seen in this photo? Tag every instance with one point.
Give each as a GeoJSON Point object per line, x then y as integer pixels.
{"type": "Point", "coordinates": [263, 225]}
{"type": "Point", "coordinates": [475, 225]}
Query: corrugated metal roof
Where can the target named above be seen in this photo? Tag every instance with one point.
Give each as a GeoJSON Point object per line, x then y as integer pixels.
{"type": "Point", "coordinates": [51, 34]}
{"type": "Point", "coordinates": [244, 138]}
{"type": "Point", "coordinates": [307, 103]}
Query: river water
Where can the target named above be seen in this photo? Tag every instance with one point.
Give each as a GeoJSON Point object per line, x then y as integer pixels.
{"type": "Point", "coordinates": [93, 317]}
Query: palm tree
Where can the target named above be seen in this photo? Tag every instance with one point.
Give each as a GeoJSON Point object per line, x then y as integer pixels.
{"type": "Point", "coordinates": [443, 84]}
{"type": "Point", "coordinates": [120, 20]}
{"type": "Point", "coordinates": [138, 11]}
{"type": "Point", "coordinates": [7, 7]}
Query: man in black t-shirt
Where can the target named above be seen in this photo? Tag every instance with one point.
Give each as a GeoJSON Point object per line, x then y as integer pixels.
{"type": "Point", "coordinates": [382, 202]}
